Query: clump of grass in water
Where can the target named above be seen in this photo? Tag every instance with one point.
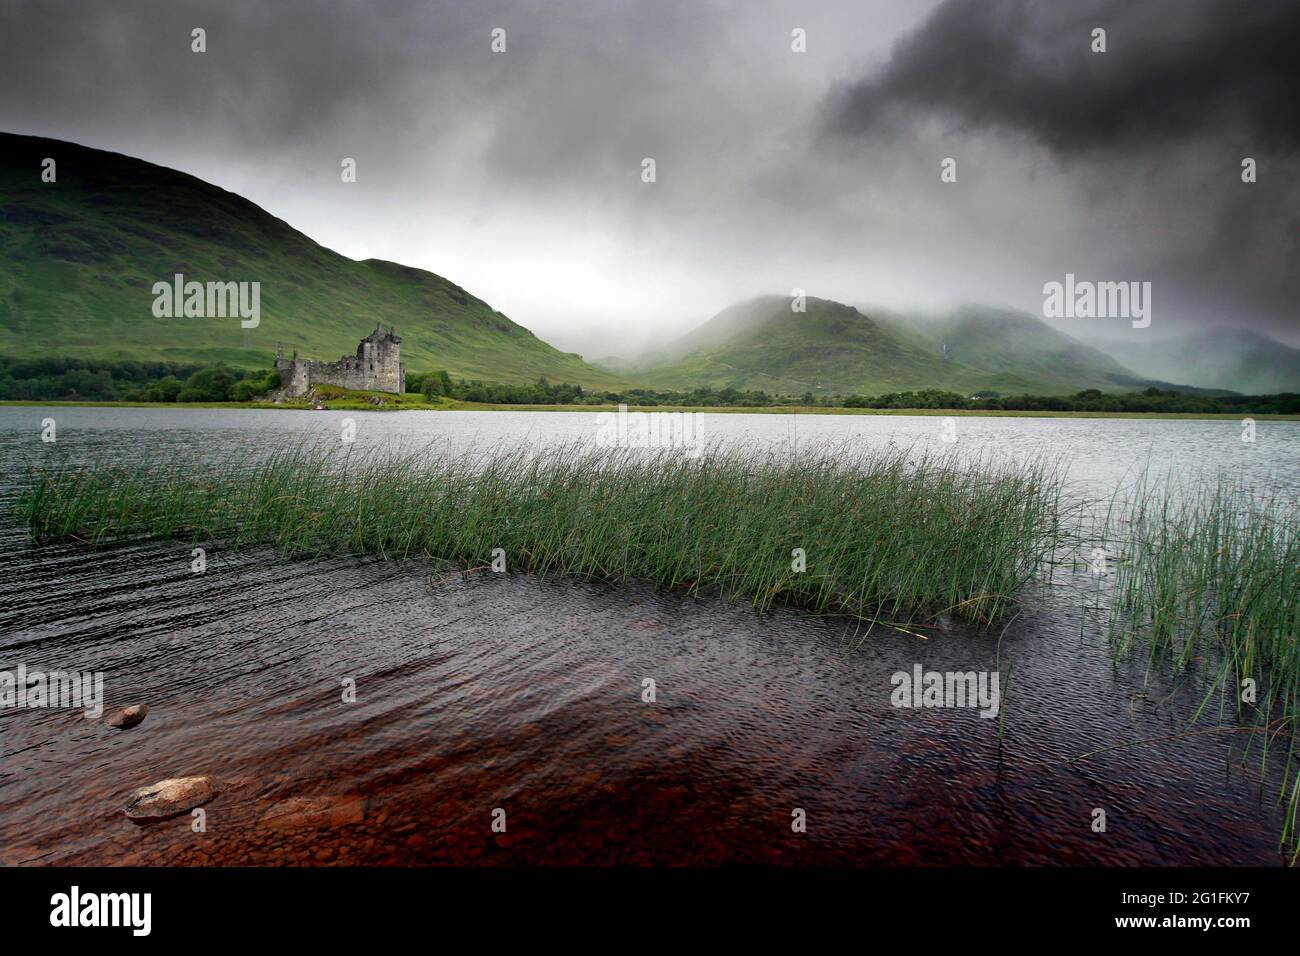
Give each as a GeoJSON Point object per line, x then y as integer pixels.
{"type": "Point", "coordinates": [885, 535]}
{"type": "Point", "coordinates": [1212, 573]}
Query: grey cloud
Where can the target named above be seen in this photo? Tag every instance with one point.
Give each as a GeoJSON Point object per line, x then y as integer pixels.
{"type": "Point", "coordinates": [1172, 71]}
{"type": "Point", "coordinates": [517, 176]}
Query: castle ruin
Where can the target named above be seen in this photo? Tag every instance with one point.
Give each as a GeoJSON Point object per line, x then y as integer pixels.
{"type": "Point", "coordinates": [377, 367]}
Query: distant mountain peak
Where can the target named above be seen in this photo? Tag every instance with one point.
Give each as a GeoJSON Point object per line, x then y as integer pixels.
{"type": "Point", "coordinates": [833, 347]}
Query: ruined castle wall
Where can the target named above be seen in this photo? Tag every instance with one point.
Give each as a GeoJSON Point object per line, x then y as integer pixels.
{"type": "Point", "coordinates": [293, 376]}
{"type": "Point", "coordinates": [384, 369]}
{"type": "Point", "coordinates": [376, 367]}
{"type": "Point", "coordinates": [298, 376]}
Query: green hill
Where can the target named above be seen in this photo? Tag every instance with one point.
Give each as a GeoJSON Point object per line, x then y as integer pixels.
{"type": "Point", "coordinates": [81, 255]}
{"type": "Point", "coordinates": [833, 348]}
{"type": "Point", "coordinates": [1018, 350]}
{"type": "Point", "coordinates": [830, 348]}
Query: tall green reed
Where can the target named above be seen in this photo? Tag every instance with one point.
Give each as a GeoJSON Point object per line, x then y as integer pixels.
{"type": "Point", "coordinates": [1208, 576]}
{"type": "Point", "coordinates": [884, 534]}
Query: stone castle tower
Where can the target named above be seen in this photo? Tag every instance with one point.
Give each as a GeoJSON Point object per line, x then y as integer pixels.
{"type": "Point", "coordinates": [377, 367]}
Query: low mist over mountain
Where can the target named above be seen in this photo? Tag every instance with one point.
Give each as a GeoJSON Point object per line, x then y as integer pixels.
{"type": "Point", "coordinates": [81, 255]}
{"type": "Point", "coordinates": [1017, 348]}
{"type": "Point", "coordinates": [832, 348]}
{"type": "Point", "coordinates": [1238, 360]}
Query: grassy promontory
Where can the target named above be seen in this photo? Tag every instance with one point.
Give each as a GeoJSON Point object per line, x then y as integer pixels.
{"type": "Point", "coordinates": [879, 536]}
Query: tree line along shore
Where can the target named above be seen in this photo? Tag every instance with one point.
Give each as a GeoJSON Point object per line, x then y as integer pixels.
{"type": "Point", "coordinates": [164, 383]}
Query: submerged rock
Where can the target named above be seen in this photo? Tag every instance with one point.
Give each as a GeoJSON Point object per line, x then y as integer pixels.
{"type": "Point", "coordinates": [168, 798]}
{"type": "Point", "coordinates": [124, 718]}
{"type": "Point", "coordinates": [315, 812]}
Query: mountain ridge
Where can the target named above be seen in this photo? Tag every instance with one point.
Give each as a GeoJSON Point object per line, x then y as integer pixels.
{"type": "Point", "coordinates": [834, 348]}
{"type": "Point", "coordinates": [81, 255]}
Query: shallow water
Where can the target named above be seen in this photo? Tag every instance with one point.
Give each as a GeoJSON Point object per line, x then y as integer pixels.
{"type": "Point", "coordinates": [486, 691]}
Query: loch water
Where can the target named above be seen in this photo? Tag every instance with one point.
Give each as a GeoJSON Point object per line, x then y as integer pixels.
{"type": "Point", "coordinates": [482, 693]}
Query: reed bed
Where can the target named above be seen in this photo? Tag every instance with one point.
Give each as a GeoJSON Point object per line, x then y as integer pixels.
{"type": "Point", "coordinates": [885, 535]}
{"type": "Point", "coordinates": [1211, 571]}
{"type": "Point", "coordinates": [1209, 576]}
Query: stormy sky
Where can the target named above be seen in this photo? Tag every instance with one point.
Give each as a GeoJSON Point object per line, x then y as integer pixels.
{"type": "Point", "coordinates": [518, 174]}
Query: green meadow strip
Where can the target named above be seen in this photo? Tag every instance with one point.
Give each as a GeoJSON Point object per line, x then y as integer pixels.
{"type": "Point", "coordinates": [884, 535]}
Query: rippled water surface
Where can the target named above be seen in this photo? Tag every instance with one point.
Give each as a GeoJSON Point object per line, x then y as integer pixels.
{"type": "Point", "coordinates": [485, 691]}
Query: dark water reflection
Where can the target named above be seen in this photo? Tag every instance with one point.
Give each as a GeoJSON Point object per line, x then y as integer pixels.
{"type": "Point", "coordinates": [490, 691]}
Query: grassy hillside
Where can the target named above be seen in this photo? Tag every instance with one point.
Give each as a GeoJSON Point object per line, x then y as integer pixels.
{"type": "Point", "coordinates": [1015, 348]}
{"type": "Point", "coordinates": [833, 348]}
{"type": "Point", "coordinates": [80, 257]}
{"type": "Point", "coordinates": [830, 348]}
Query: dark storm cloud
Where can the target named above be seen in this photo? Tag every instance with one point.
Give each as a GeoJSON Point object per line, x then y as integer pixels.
{"type": "Point", "coordinates": [1145, 140]}
{"type": "Point", "coordinates": [1172, 71]}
